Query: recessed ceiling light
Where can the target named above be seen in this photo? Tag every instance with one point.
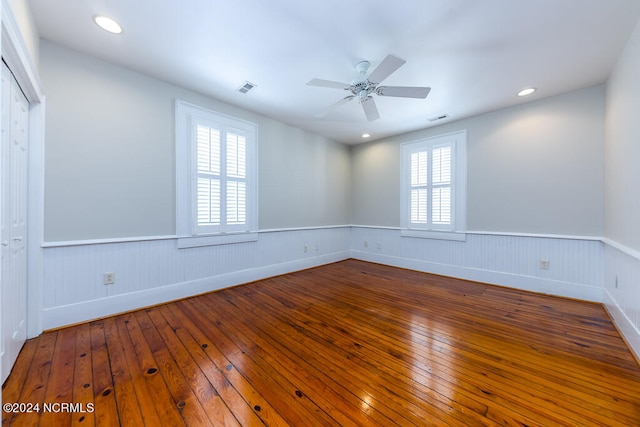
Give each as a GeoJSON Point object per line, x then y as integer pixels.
{"type": "Point", "coordinates": [108, 24]}
{"type": "Point", "coordinates": [527, 91]}
{"type": "Point", "coordinates": [365, 135]}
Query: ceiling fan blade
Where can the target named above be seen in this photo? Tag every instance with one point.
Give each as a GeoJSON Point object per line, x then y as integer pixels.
{"type": "Point", "coordinates": [370, 109]}
{"type": "Point", "coordinates": [328, 83]}
{"type": "Point", "coordinates": [335, 105]}
{"type": "Point", "coordinates": [403, 91]}
{"type": "Point", "coordinates": [388, 65]}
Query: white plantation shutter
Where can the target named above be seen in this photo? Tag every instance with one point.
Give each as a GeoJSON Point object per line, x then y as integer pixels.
{"type": "Point", "coordinates": [434, 174]}
{"type": "Point", "coordinates": [431, 184]}
{"type": "Point", "coordinates": [236, 179]}
{"type": "Point", "coordinates": [236, 155]}
{"type": "Point", "coordinates": [441, 185]}
{"type": "Point", "coordinates": [208, 142]}
{"type": "Point", "coordinates": [208, 175]}
{"type": "Point", "coordinates": [208, 203]}
{"type": "Point", "coordinates": [216, 177]}
{"type": "Point", "coordinates": [419, 191]}
{"type": "Point", "coordinates": [221, 189]}
{"type": "Point", "coordinates": [236, 202]}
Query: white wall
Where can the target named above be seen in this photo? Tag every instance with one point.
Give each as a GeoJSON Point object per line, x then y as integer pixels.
{"type": "Point", "coordinates": [534, 192]}
{"type": "Point", "coordinates": [622, 154]}
{"type": "Point", "coordinates": [622, 192]}
{"type": "Point", "coordinates": [110, 195]}
{"type": "Point", "coordinates": [304, 179]}
{"type": "Point", "coordinates": [110, 156]}
{"type": "Point", "coordinates": [534, 168]}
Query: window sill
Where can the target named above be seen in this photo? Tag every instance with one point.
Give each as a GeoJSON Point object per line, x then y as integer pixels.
{"type": "Point", "coordinates": [216, 239]}
{"type": "Point", "coordinates": [432, 234]}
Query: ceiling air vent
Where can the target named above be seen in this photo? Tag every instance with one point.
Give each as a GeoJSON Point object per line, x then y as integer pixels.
{"type": "Point", "coordinates": [436, 118]}
{"type": "Point", "coordinates": [246, 87]}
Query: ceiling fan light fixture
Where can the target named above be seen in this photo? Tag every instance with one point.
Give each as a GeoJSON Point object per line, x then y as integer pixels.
{"type": "Point", "coordinates": [527, 91]}
{"type": "Point", "coordinates": [108, 24]}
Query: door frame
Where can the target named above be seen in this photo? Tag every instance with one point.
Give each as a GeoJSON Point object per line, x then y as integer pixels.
{"type": "Point", "coordinates": [15, 53]}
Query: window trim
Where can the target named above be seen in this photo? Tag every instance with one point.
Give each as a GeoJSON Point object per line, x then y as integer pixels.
{"type": "Point", "coordinates": [459, 187]}
{"type": "Point", "coordinates": [185, 114]}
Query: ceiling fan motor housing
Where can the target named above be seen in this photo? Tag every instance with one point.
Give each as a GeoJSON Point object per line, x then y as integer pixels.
{"type": "Point", "coordinates": [362, 67]}
{"type": "Point", "coordinates": [362, 89]}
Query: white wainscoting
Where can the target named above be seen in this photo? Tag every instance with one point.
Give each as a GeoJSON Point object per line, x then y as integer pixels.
{"type": "Point", "coordinates": [575, 264]}
{"type": "Point", "coordinates": [149, 272]}
{"type": "Point", "coordinates": [154, 271]}
{"type": "Point", "coordinates": [622, 290]}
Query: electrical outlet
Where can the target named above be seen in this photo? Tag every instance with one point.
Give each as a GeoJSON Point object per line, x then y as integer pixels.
{"type": "Point", "coordinates": [378, 245]}
{"type": "Point", "coordinates": [109, 278]}
{"type": "Point", "coordinates": [305, 248]}
{"type": "Point", "coordinates": [365, 244]}
{"type": "Point", "coordinates": [544, 264]}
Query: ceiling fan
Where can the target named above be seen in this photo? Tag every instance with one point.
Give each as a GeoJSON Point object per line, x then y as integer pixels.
{"type": "Point", "coordinates": [363, 87]}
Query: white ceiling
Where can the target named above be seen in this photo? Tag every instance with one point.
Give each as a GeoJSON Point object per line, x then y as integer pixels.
{"type": "Point", "coordinates": [474, 54]}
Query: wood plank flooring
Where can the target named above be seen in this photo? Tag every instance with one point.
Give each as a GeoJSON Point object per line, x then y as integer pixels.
{"type": "Point", "coordinates": [351, 344]}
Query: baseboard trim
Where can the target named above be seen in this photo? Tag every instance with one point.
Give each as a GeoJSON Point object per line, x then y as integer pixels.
{"type": "Point", "coordinates": [85, 311]}
{"type": "Point", "coordinates": [625, 326]}
{"type": "Point", "coordinates": [526, 283]}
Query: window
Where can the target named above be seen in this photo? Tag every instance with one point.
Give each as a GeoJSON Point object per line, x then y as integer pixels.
{"type": "Point", "coordinates": [216, 177]}
{"type": "Point", "coordinates": [433, 193]}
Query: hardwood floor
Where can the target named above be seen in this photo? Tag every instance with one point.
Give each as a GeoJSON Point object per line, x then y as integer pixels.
{"type": "Point", "coordinates": [350, 344]}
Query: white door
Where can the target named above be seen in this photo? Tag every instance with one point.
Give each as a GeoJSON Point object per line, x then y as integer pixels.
{"type": "Point", "coordinates": [13, 219]}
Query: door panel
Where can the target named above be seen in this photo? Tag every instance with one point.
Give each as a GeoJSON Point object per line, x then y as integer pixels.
{"type": "Point", "coordinates": [13, 229]}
